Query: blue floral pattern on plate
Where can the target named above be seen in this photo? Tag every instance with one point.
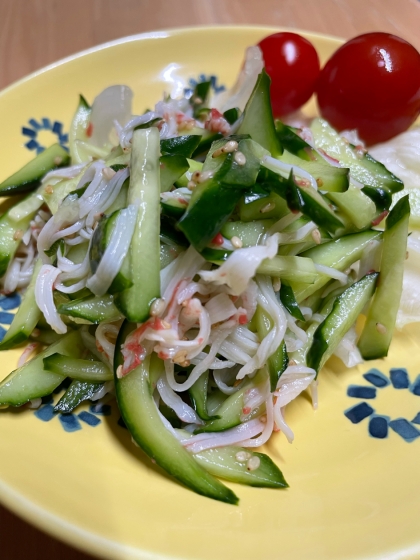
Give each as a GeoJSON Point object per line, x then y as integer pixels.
{"type": "Point", "coordinates": [378, 426]}
{"type": "Point", "coordinates": [34, 127]}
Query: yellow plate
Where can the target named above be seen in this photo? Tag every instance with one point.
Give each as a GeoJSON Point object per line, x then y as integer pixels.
{"type": "Point", "coordinates": [352, 495]}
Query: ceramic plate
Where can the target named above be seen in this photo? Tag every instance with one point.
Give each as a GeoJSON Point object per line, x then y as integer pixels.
{"type": "Point", "coordinates": [353, 467]}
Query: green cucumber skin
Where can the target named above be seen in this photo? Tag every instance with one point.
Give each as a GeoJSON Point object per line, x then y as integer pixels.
{"type": "Point", "coordinates": [78, 392]}
{"type": "Point", "coordinates": [277, 362]}
{"type": "Point", "coordinates": [287, 297]}
{"type": "Point", "coordinates": [29, 176]}
{"type": "Point", "coordinates": [198, 396]}
{"type": "Point", "coordinates": [139, 412]}
{"type": "Point", "coordinates": [222, 462]}
{"type": "Point", "coordinates": [364, 169]}
{"type": "Point", "coordinates": [31, 381]}
{"type": "Point", "coordinates": [95, 309]}
{"type": "Point", "coordinates": [172, 168]}
{"type": "Point", "coordinates": [346, 308]}
{"type": "Point", "coordinates": [328, 178]}
{"type": "Point", "coordinates": [78, 130]}
{"type": "Point", "coordinates": [229, 414]}
{"type": "Point", "coordinates": [373, 343]}
{"type": "Point", "coordinates": [339, 254]}
{"type": "Point", "coordinates": [144, 192]}
{"type": "Point", "coordinates": [76, 368]}
{"type": "Point", "coordinates": [356, 205]}
{"type": "Point", "coordinates": [257, 118]}
{"type": "Point", "coordinates": [10, 227]}
{"type": "Point", "coordinates": [26, 317]}
{"type": "Point", "coordinates": [180, 145]}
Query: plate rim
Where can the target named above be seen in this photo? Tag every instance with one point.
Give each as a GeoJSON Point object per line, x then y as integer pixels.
{"type": "Point", "coordinates": [53, 525]}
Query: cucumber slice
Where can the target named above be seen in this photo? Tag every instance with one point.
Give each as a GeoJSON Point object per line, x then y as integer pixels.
{"type": "Point", "coordinates": [338, 254]}
{"type": "Point", "coordinates": [29, 177]}
{"type": "Point", "coordinates": [180, 145]}
{"type": "Point", "coordinates": [186, 177]}
{"type": "Point", "coordinates": [32, 381]}
{"type": "Point", "coordinates": [277, 362]}
{"type": "Point", "coordinates": [346, 308]}
{"type": "Point", "coordinates": [77, 392]}
{"type": "Point", "coordinates": [265, 207]}
{"type": "Point", "coordinates": [26, 317]}
{"type": "Point", "coordinates": [223, 462]}
{"type": "Point", "coordinates": [138, 410]}
{"type": "Point", "coordinates": [328, 178]}
{"type": "Point", "coordinates": [249, 233]}
{"type": "Point", "coordinates": [232, 115]}
{"type": "Point", "coordinates": [257, 119]}
{"type": "Point", "coordinates": [144, 254]}
{"type": "Point", "coordinates": [380, 322]}
{"type": "Point", "coordinates": [55, 195]}
{"type": "Point", "coordinates": [230, 411]}
{"type": "Point", "coordinates": [205, 143]}
{"type": "Point", "coordinates": [198, 396]}
{"type": "Point", "coordinates": [13, 224]}
{"type": "Point", "coordinates": [172, 167]}
{"type": "Point", "coordinates": [96, 309]}
{"type": "Point", "coordinates": [290, 268]}
{"type": "Point", "coordinates": [287, 297]}
{"type": "Point", "coordinates": [210, 207]}
{"type": "Point", "coordinates": [363, 166]}
{"type": "Point", "coordinates": [82, 370]}
{"type": "Point", "coordinates": [78, 132]}
{"type": "Point", "coordinates": [354, 204]}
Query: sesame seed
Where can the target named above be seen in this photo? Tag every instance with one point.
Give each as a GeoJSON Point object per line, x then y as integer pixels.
{"type": "Point", "coordinates": [292, 363]}
{"type": "Point", "coordinates": [381, 328]}
{"type": "Point", "coordinates": [276, 284]}
{"type": "Point", "coordinates": [230, 146]}
{"type": "Point", "coordinates": [253, 463]}
{"type": "Point", "coordinates": [316, 236]}
{"type": "Point", "coordinates": [240, 158]}
{"type": "Point", "coordinates": [108, 173]}
{"type": "Point", "coordinates": [58, 160]}
{"type": "Point", "coordinates": [236, 242]}
{"type": "Point", "coordinates": [243, 456]}
{"type": "Point", "coordinates": [267, 208]}
{"type": "Point", "coordinates": [191, 185]}
{"type": "Point", "coordinates": [217, 153]}
{"type": "Point", "coordinates": [205, 176]}
{"type": "Point", "coordinates": [263, 419]}
{"type": "Point", "coordinates": [197, 100]}
{"type": "Point", "coordinates": [195, 176]}
{"type": "Point", "coordinates": [49, 189]}
{"type": "Point", "coordinates": [166, 325]}
{"type": "Point", "coordinates": [119, 372]}
{"type": "Point", "coordinates": [17, 236]}
{"type": "Point", "coordinates": [180, 357]}
{"type": "Point", "coordinates": [35, 333]}
{"type": "Point", "coordinates": [185, 363]}
{"type": "Point", "coordinates": [157, 307]}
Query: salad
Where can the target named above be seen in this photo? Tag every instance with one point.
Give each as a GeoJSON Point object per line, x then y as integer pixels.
{"type": "Point", "coordinates": [201, 262]}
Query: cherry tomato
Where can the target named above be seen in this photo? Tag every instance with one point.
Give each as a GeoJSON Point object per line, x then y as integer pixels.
{"type": "Point", "coordinates": [372, 84]}
{"type": "Point", "coordinates": [293, 66]}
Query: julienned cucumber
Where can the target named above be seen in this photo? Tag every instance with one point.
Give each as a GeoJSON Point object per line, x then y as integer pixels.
{"type": "Point", "coordinates": [26, 317]}
{"type": "Point", "coordinates": [144, 255]}
{"type": "Point", "coordinates": [277, 362]}
{"type": "Point", "coordinates": [257, 118]}
{"type": "Point", "coordinates": [78, 392]}
{"type": "Point", "coordinates": [29, 177]}
{"type": "Point", "coordinates": [140, 414]}
{"type": "Point", "coordinates": [338, 254]}
{"type": "Point", "coordinates": [31, 380]}
{"type": "Point", "coordinates": [83, 370]}
{"type": "Point", "coordinates": [362, 166]}
{"type": "Point", "coordinates": [78, 132]}
{"type": "Point", "coordinates": [380, 323]}
{"type": "Point", "coordinates": [347, 307]}
{"type": "Point", "coordinates": [224, 462]}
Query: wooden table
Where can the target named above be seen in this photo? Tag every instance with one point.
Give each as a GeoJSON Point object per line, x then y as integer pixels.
{"type": "Point", "coordinates": [34, 33]}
